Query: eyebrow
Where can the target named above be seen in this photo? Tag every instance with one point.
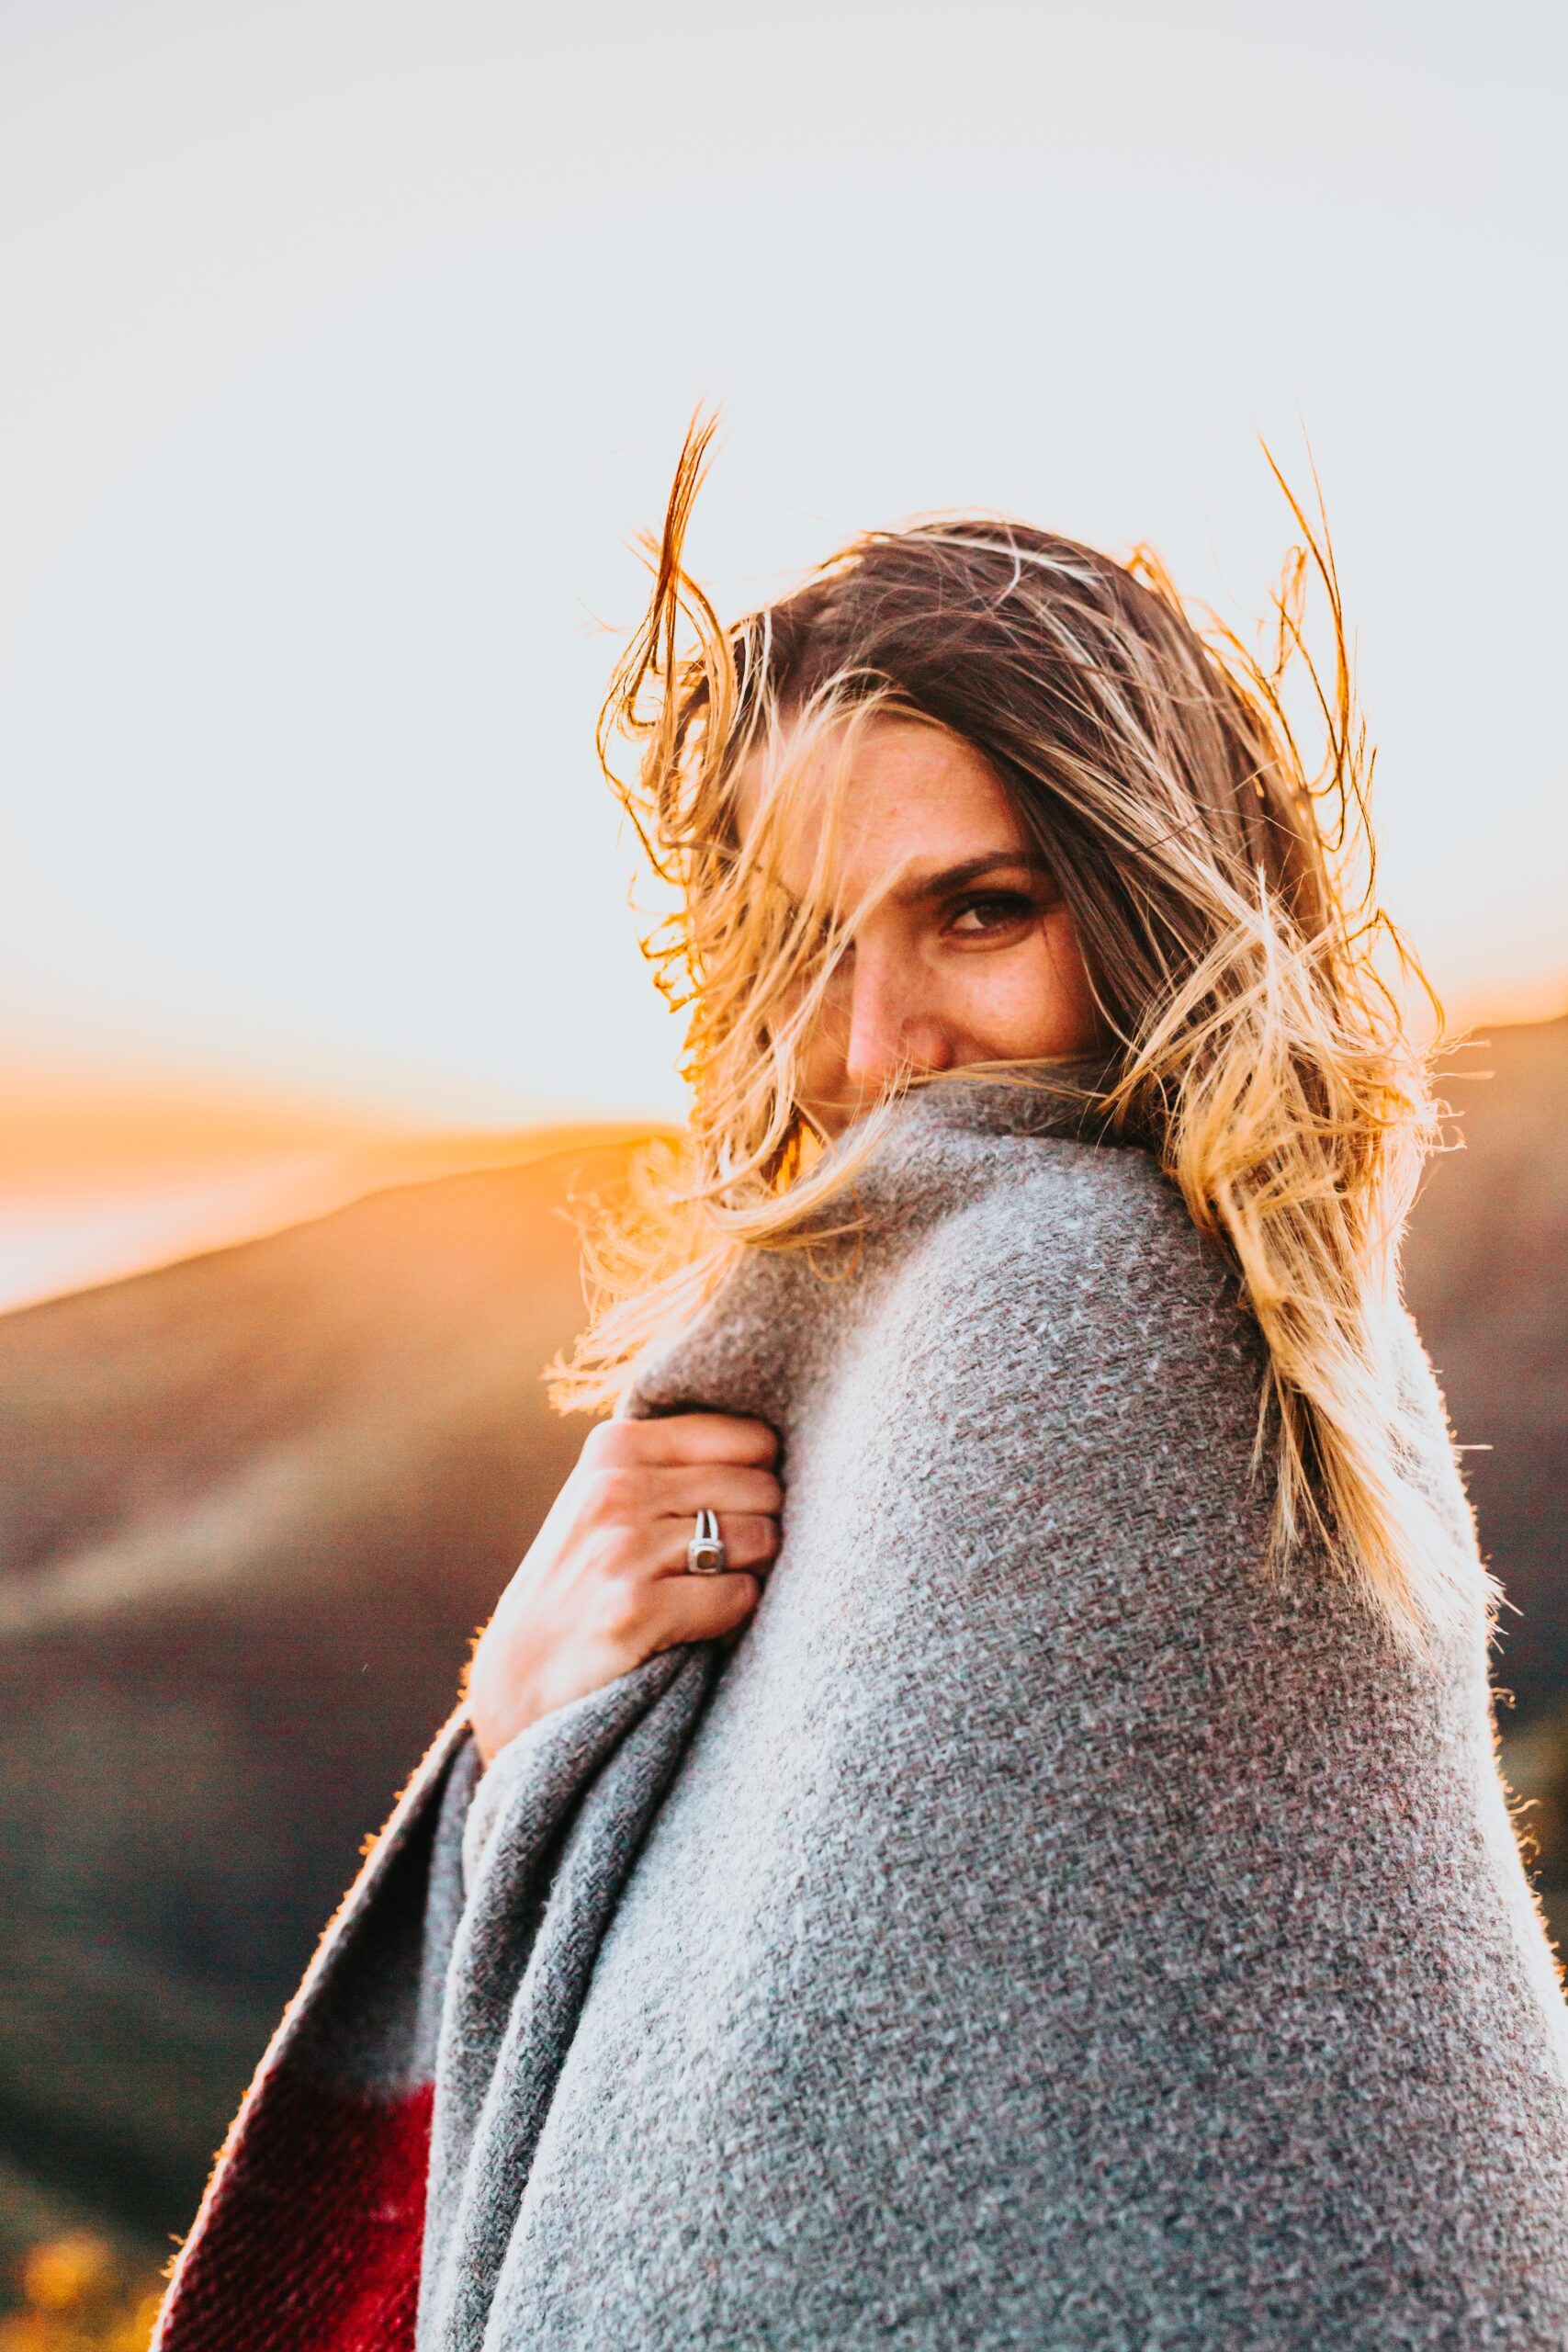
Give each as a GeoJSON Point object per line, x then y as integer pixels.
{"type": "Point", "coordinates": [973, 869]}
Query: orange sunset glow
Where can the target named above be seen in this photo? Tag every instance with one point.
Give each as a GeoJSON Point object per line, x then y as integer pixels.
{"type": "Point", "coordinates": [103, 1178]}
{"type": "Point", "coordinates": [319, 491]}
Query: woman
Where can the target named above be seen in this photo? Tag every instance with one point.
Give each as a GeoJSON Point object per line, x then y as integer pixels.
{"type": "Point", "coordinates": [976, 1823]}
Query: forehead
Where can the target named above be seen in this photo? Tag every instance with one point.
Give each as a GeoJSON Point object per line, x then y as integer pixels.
{"type": "Point", "coordinates": [908, 797]}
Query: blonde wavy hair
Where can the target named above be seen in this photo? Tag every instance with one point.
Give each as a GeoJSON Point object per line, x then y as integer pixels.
{"type": "Point", "coordinates": [1220, 882]}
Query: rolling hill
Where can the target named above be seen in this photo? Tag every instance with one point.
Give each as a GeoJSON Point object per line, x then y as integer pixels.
{"type": "Point", "coordinates": [255, 1505]}
{"type": "Point", "coordinates": [1487, 1275]}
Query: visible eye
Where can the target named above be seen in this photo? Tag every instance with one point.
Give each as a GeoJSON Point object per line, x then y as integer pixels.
{"type": "Point", "coordinates": [988, 912]}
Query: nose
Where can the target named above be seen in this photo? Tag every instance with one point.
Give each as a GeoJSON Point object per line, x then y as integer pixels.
{"type": "Point", "coordinates": [890, 1032]}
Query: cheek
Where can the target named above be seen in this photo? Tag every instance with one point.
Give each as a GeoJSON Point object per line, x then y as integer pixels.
{"type": "Point", "coordinates": [1033, 1002]}
{"type": "Point", "coordinates": [1075, 995]}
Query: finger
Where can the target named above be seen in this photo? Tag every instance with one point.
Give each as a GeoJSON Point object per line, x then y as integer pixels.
{"type": "Point", "coordinates": [703, 1609]}
{"type": "Point", "coordinates": [750, 1540]}
{"type": "Point", "coordinates": [681, 1492]}
{"type": "Point", "coordinates": [690, 1437]}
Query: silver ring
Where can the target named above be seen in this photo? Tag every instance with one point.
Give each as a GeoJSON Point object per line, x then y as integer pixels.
{"type": "Point", "coordinates": [705, 1554]}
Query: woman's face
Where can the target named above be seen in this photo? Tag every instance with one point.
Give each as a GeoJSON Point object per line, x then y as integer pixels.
{"type": "Point", "coordinates": [968, 953]}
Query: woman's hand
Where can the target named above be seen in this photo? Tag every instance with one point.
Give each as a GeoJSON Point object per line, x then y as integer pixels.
{"type": "Point", "coordinates": [604, 1585]}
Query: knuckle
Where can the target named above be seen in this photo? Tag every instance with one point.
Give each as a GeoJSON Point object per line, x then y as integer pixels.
{"type": "Point", "coordinates": [617, 1554]}
{"type": "Point", "coordinates": [743, 1595]}
{"type": "Point", "coordinates": [722, 1605]}
{"type": "Point", "coordinates": [623, 1606]}
{"type": "Point", "coordinates": [612, 1444]}
{"type": "Point", "coordinates": [615, 1492]}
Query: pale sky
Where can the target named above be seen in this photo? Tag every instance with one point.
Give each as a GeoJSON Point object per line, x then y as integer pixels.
{"type": "Point", "coordinates": [348, 343]}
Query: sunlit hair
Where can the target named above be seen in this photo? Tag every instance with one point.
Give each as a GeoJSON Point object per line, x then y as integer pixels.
{"type": "Point", "coordinates": [1221, 883]}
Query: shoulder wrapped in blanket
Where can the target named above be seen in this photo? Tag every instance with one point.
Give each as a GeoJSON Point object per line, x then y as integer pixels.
{"type": "Point", "coordinates": [1044, 1927]}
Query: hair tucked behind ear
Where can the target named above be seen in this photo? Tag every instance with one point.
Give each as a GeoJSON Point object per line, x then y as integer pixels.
{"type": "Point", "coordinates": [1221, 884]}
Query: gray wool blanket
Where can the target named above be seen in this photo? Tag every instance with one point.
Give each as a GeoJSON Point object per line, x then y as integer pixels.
{"type": "Point", "coordinates": [1041, 1931]}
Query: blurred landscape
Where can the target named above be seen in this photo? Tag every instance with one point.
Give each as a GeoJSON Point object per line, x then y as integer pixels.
{"type": "Point", "coordinates": [255, 1503]}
